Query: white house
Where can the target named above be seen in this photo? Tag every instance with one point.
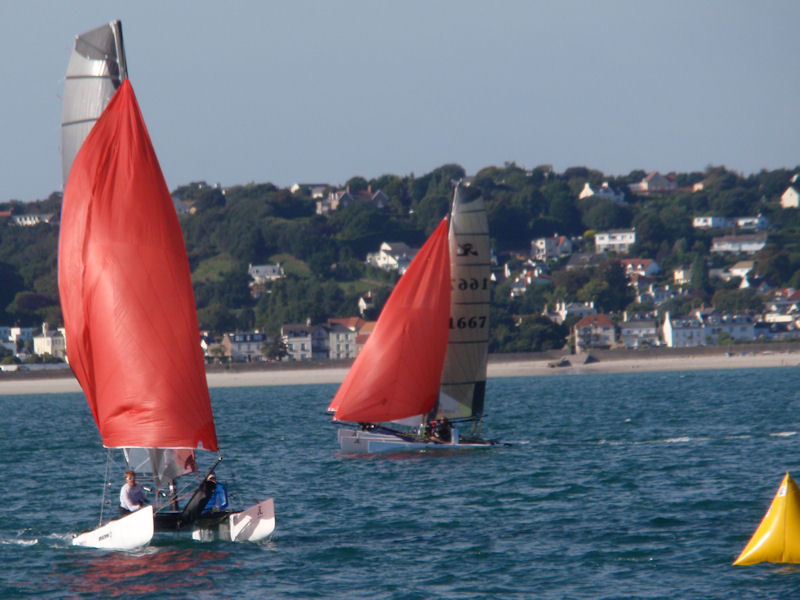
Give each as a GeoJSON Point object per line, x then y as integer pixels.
{"type": "Point", "coordinates": [653, 183]}
{"type": "Point", "coordinates": [684, 332]}
{"type": "Point", "coordinates": [244, 345]}
{"type": "Point", "coordinates": [31, 220]}
{"type": "Point", "coordinates": [646, 267]}
{"type": "Point", "coordinates": [265, 273]}
{"type": "Point", "coordinates": [602, 191]}
{"type": "Point", "coordinates": [790, 198]}
{"type": "Point", "coordinates": [745, 244]}
{"type": "Point", "coordinates": [392, 256]}
{"type": "Point", "coordinates": [342, 339]}
{"type": "Point", "coordinates": [341, 198]}
{"type": "Point", "coordinates": [297, 339]}
{"type": "Point", "coordinates": [638, 333]}
{"type": "Point", "coordinates": [711, 222]}
{"type": "Point", "coordinates": [616, 240]}
{"type": "Point", "coordinates": [51, 341]}
{"type": "Point", "coordinates": [564, 309]}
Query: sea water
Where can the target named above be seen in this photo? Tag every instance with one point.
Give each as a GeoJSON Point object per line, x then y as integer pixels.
{"type": "Point", "coordinates": [643, 485]}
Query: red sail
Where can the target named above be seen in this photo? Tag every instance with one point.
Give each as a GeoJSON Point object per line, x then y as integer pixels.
{"type": "Point", "coordinates": [397, 373]}
{"type": "Point", "coordinates": [126, 294]}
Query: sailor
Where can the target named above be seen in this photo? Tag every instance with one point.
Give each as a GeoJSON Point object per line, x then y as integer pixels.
{"type": "Point", "coordinates": [131, 496]}
{"type": "Point", "coordinates": [219, 498]}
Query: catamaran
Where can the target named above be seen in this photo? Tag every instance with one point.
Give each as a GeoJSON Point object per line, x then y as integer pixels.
{"type": "Point", "coordinates": [129, 312]}
{"type": "Point", "coordinates": [422, 372]}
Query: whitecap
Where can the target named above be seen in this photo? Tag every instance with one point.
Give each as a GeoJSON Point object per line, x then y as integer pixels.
{"type": "Point", "coordinates": [783, 434]}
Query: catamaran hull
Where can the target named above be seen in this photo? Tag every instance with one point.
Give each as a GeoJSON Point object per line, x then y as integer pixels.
{"type": "Point", "coordinates": [252, 525]}
{"type": "Point", "coordinates": [128, 533]}
{"type": "Point", "coordinates": [366, 442]}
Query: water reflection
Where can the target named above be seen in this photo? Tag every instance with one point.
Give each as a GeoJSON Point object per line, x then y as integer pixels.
{"type": "Point", "coordinates": [166, 572]}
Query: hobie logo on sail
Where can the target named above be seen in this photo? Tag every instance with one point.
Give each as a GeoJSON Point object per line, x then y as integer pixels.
{"type": "Point", "coordinates": [466, 250]}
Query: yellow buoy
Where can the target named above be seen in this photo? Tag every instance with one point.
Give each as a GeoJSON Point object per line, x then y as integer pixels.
{"type": "Point", "coordinates": [777, 538]}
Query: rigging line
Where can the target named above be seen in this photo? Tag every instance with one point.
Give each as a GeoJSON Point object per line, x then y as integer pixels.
{"type": "Point", "coordinates": [78, 122]}
{"type": "Point", "coordinates": [90, 77]}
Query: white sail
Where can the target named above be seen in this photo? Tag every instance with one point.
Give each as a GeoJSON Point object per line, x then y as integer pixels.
{"type": "Point", "coordinates": [96, 69]}
{"type": "Point", "coordinates": [463, 381]}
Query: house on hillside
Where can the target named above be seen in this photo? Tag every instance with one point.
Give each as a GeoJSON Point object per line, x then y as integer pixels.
{"type": "Point", "coordinates": [602, 191]}
{"type": "Point", "coordinates": [654, 183]}
{"type": "Point", "coordinates": [392, 256]}
{"type": "Point", "coordinates": [616, 240]}
{"type": "Point", "coordinates": [341, 198]}
{"type": "Point", "coordinates": [546, 248]}
{"type": "Point", "coordinates": [594, 331]}
{"type": "Point", "coordinates": [315, 190]}
{"type": "Point", "coordinates": [790, 198]}
{"type": "Point", "coordinates": [739, 244]}
{"type": "Point", "coordinates": [643, 267]}
{"type": "Point", "coordinates": [31, 220]}
{"type": "Point", "coordinates": [562, 310]}
{"type": "Point", "coordinates": [711, 222]}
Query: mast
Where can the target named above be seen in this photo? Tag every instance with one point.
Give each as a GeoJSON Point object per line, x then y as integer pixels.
{"type": "Point", "coordinates": [463, 384]}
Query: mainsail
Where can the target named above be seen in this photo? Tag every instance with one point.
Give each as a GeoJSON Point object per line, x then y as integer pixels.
{"type": "Point", "coordinates": [95, 72]}
{"type": "Point", "coordinates": [464, 374]}
{"type": "Point", "coordinates": [126, 294]}
{"type": "Point", "coordinates": [397, 373]}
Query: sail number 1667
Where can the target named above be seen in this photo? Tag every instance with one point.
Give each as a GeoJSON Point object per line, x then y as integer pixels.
{"type": "Point", "coordinates": [468, 322]}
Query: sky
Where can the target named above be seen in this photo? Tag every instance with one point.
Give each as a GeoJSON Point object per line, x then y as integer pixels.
{"type": "Point", "coordinates": [322, 91]}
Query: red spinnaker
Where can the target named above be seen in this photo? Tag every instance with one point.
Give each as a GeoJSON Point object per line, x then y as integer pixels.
{"type": "Point", "coordinates": [397, 373]}
{"type": "Point", "coordinates": [126, 294]}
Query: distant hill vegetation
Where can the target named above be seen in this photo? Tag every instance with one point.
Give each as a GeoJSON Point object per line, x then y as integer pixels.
{"type": "Point", "coordinates": [227, 229]}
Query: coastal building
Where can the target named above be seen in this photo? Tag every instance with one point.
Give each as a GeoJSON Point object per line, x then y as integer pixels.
{"type": "Point", "coordinates": [244, 346]}
{"type": "Point", "coordinates": [50, 341]}
{"type": "Point", "coordinates": [707, 327]}
{"type": "Point", "coordinates": [594, 331]}
{"type": "Point", "coordinates": [637, 332]}
{"type": "Point", "coordinates": [297, 339]}
{"type": "Point", "coordinates": [342, 338]}
{"type": "Point", "coordinates": [616, 240]}
{"type": "Point", "coordinates": [683, 332]}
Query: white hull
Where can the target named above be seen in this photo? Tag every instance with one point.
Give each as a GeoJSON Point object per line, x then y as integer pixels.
{"type": "Point", "coordinates": [128, 533]}
{"type": "Point", "coordinates": [252, 525]}
{"type": "Point", "coordinates": [353, 441]}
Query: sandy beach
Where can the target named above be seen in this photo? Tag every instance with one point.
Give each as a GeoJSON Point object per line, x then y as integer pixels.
{"type": "Point", "coordinates": [13, 384]}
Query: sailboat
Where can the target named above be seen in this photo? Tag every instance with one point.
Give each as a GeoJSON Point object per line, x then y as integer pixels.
{"type": "Point", "coordinates": [126, 295]}
{"type": "Point", "coordinates": [422, 372]}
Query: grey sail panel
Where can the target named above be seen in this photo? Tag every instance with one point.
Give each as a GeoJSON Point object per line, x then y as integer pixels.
{"type": "Point", "coordinates": [463, 381]}
{"type": "Point", "coordinates": [95, 71]}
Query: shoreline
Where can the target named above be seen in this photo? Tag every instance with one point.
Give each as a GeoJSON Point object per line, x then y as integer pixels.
{"type": "Point", "coordinates": [506, 366]}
